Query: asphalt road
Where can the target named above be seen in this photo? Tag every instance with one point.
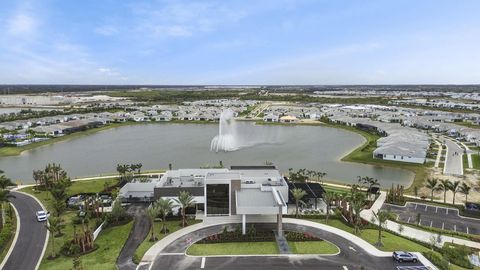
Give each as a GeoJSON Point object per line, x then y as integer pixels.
{"type": "Point", "coordinates": [140, 230]}
{"type": "Point", "coordinates": [31, 239]}
{"type": "Point", "coordinates": [435, 216]}
{"type": "Point", "coordinates": [350, 257]}
{"type": "Point", "coordinates": [454, 161]}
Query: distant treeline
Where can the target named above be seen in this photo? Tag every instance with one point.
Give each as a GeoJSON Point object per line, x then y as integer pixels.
{"type": "Point", "coordinates": [55, 88]}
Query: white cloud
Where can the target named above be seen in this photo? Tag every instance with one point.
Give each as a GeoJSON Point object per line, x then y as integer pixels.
{"type": "Point", "coordinates": [21, 24]}
{"type": "Point", "coordinates": [107, 30]}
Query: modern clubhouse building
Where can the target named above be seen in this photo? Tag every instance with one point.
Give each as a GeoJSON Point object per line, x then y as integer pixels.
{"type": "Point", "coordinates": [239, 193]}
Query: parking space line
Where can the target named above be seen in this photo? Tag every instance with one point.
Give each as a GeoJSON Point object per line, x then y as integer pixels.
{"type": "Point", "coordinates": [408, 221]}
{"type": "Point", "coordinates": [416, 206]}
{"type": "Point", "coordinates": [436, 209]}
{"type": "Point", "coordinates": [455, 227]}
{"type": "Point", "coordinates": [467, 229]}
{"type": "Point", "coordinates": [447, 210]}
{"type": "Point", "coordinates": [426, 207]}
{"type": "Point", "coordinates": [345, 267]}
{"type": "Point", "coordinates": [202, 265]}
{"type": "Point", "coordinates": [443, 225]}
{"type": "Point", "coordinates": [431, 223]}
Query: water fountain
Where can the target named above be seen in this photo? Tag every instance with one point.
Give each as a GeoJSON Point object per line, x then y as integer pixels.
{"type": "Point", "coordinates": [226, 140]}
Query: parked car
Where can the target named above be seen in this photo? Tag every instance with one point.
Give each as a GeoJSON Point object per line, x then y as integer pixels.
{"type": "Point", "coordinates": [41, 215]}
{"type": "Point", "coordinates": [403, 256]}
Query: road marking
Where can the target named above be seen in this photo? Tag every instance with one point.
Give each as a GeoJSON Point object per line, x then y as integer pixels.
{"type": "Point", "coordinates": [436, 209]}
{"type": "Point", "coordinates": [431, 223]}
{"type": "Point", "coordinates": [467, 229]}
{"type": "Point", "coordinates": [345, 267]}
{"type": "Point", "coordinates": [202, 265]}
{"type": "Point", "coordinates": [416, 206]}
{"type": "Point", "coordinates": [408, 221]}
{"type": "Point", "coordinates": [443, 225]}
{"type": "Point", "coordinates": [354, 250]}
{"type": "Point", "coordinates": [447, 210]}
{"type": "Point", "coordinates": [426, 207]}
{"type": "Point", "coordinates": [455, 227]}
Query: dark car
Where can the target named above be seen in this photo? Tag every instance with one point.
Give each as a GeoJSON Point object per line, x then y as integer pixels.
{"type": "Point", "coordinates": [402, 256]}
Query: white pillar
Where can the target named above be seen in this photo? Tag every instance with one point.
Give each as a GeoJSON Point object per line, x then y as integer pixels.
{"type": "Point", "coordinates": [244, 224]}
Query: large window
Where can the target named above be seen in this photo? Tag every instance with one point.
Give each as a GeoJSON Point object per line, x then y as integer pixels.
{"type": "Point", "coordinates": [218, 200]}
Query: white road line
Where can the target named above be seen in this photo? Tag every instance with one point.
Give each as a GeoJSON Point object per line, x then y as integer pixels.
{"type": "Point", "coordinates": [416, 206]}
{"type": "Point", "coordinates": [455, 227]}
{"type": "Point", "coordinates": [436, 209]}
{"type": "Point", "coordinates": [431, 223]}
{"type": "Point", "coordinates": [202, 265]}
{"type": "Point", "coordinates": [345, 268]}
{"type": "Point", "coordinates": [426, 207]}
{"type": "Point", "coordinates": [447, 210]}
{"type": "Point", "coordinates": [467, 229]}
{"type": "Point", "coordinates": [408, 221]}
{"type": "Point", "coordinates": [443, 226]}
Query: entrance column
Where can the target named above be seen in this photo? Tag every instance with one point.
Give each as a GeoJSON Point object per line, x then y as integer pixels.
{"type": "Point", "coordinates": [244, 224]}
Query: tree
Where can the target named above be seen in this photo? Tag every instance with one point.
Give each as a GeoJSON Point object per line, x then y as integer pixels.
{"type": "Point", "coordinates": [5, 182]}
{"type": "Point", "coordinates": [454, 187]}
{"type": "Point", "coordinates": [118, 212]}
{"type": "Point", "coordinates": [298, 194]}
{"type": "Point", "coordinates": [444, 186]}
{"type": "Point", "coordinates": [465, 190]}
{"type": "Point", "coordinates": [432, 185]}
{"type": "Point", "coordinates": [152, 213]}
{"type": "Point", "coordinates": [328, 197]}
{"type": "Point", "coordinates": [164, 207]}
{"type": "Point", "coordinates": [184, 200]}
{"type": "Point", "coordinates": [381, 218]}
{"type": "Point", "coordinates": [357, 202]}
{"type": "Point", "coordinates": [52, 226]}
{"type": "Point", "coordinates": [4, 194]}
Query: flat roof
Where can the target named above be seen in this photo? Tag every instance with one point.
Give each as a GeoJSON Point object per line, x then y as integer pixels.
{"type": "Point", "coordinates": [255, 198]}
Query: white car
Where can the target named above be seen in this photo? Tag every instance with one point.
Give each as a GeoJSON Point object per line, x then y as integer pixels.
{"type": "Point", "coordinates": [41, 215]}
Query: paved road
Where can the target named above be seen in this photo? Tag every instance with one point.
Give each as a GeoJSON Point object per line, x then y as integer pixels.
{"type": "Point", "coordinates": [140, 230]}
{"type": "Point", "coordinates": [31, 239]}
{"type": "Point", "coordinates": [350, 257]}
{"type": "Point", "coordinates": [454, 161]}
{"type": "Point", "coordinates": [435, 216]}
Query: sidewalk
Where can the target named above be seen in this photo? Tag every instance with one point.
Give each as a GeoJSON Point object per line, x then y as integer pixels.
{"type": "Point", "coordinates": [410, 232]}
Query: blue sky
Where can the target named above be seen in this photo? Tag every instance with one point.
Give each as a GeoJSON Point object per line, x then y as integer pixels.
{"type": "Point", "coordinates": [240, 42]}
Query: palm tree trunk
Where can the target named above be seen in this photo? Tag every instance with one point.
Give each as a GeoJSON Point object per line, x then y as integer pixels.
{"type": "Point", "coordinates": [445, 196]}
{"type": "Point", "coordinates": [454, 198]}
{"type": "Point", "coordinates": [296, 209]}
{"type": "Point", "coordinates": [431, 197]}
{"type": "Point", "coordinates": [466, 200]}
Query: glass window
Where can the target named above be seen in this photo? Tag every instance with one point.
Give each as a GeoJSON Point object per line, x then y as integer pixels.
{"type": "Point", "coordinates": [218, 199]}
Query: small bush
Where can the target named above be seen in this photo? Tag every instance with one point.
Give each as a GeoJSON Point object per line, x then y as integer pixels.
{"type": "Point", "coordinates": [438, 261]}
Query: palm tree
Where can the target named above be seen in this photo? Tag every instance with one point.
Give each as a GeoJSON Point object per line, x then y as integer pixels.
{"type": "Point", "coordinates": [356, 204]}
{"type": "Point", "coordinates": [184, 200]}
{"type": "Point", "coordinates": [454, 188]}
{"type": "Point", "coordinates": [139, 167]}
{"type": "Point", "coordinates": [432, 185]}
{"type": "Point", "coordinates": [328, 197]}
{"type": "Point", "coordinates": [53, 225]}
{"type": "Point", "coordinates": [5, 182]}
{"type": "Point", "coordinates": [298, 194]}
{"type": "Point", "coordinates": [444, 186]}
{"type": "Point", "coordinates": [164, 207]}
{"type": "Point", "coordinates": [381, 217]}
{"type": "Point", "coordinates": [4, 194]}
{"type": "Point", "coordinates": [465, 190]}
{"type": "Point", "coordinates": [152, 213]}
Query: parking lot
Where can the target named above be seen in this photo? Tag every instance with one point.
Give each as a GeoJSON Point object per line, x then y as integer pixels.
{"type": "Point", "coordinates": [435, 216]}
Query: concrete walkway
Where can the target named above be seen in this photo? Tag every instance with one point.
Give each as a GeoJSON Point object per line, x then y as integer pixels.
{"type": "Point", "coordinates": [411, 232]}
{"type": "Point", "coordinates": [453, 160]}
{"type": "Point", "coordinates": [469, 155]}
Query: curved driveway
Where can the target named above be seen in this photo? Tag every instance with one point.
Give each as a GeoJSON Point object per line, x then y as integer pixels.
{"type": "Point", "coordinates": [351, 256]}
{"type": "Point", "coordinates": [28, 249]}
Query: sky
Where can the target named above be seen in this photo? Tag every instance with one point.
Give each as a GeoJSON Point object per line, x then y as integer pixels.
{"type": "Point", "coordinates": [240, 42]}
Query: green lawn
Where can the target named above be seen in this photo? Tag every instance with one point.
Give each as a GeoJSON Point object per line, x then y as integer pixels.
{"type": "Point", "coordinates": [110, 242]}
{"type": "Point", "coordinates": [465, 162]}
{"type": "Point", "coordinates": [335, 189]}
{"type": "Point", "coordinates": [313, 247]}
{"type": "Point", "coordinates": [364, 154]}
{"type": "Point", "coordinates": [4, 249]}
{"type": "Point", "coordinates": [240, 248]}
{"type": "Point", "coordinates": [476, 161]}
{"type": "Point", "coordinates": [172, 226]}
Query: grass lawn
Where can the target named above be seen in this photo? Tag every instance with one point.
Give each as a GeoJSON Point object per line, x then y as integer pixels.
{"type": "Point", "coordinates": [93, 186]}
{"type": "Point", "coordinates": [110, 242]}
{"type": "Point", "coordinates": [364, 154]}
{"type": "Point", "coordinates": [173, 225]}
{"type": "Point", "coordinates": [476, 161]}
{"type": "Point", "coordinates": [335, 189]}
{"type": "Point", "coordinates": [240, 248]}
{"type": "Point", "coordinates": [7, 245]}
{"type": "Point", "coordinates": [313, 247]}
{"type": "Point", "coordinates": [465, 161]}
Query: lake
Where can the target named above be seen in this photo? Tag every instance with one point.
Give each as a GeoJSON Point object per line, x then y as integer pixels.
{"type": "Point", "coordinates": [156, 145]}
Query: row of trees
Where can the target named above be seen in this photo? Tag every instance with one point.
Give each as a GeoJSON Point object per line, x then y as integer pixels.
{"type": "Point", "coordinates": [303, 175]}
{"type": "Point", "coordinates": [127, 171]}
{"type": "Point", "coordinates": [444, 186]}
{"type": "Point", "coordinates": [162, 207]}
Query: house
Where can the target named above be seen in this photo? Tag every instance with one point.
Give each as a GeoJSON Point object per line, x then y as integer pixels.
{"type": "Point", "coordinates": [271, 117]}
{"type": "Point", "coordinates": [288, 119]}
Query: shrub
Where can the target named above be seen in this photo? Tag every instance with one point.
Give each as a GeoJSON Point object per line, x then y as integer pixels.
{"type": "Point", "coordinates": [457, 254]}
{"type": "Point", "coordinates": [438, 261]}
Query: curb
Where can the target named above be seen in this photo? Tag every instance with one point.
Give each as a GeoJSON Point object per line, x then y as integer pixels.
{"type": "Point", "coordinates": [15, 238]}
